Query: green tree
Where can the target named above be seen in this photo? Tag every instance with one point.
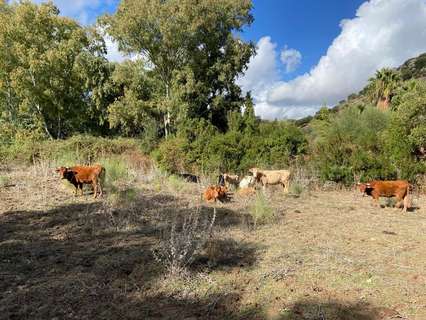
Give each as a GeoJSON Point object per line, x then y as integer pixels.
{"type": "Point", "coordinates": [192, 49]}
{"type": "Point", "coordinates": [133, 108]}
{"type": "Point", "coordinates": [43, 55]}
{"type": "Point", "coordinates": [406, 136]}
{"type": "Point", "coordinates": [382, 87]}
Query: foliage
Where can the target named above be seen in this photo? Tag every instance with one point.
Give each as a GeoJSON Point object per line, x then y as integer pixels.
{"type": "Point", "coordinates": [382, 87]}
{"type": "Point", "coordinates": [406, 137]}
{"type": "Point", "coordinates": [45, 63]}
{"type": "Point", "coordinates": [349, 143]}
{"type": "Point", "coordinates": [205, 150]}
{"type": "Point", "coordinates": [260, 210]}
{"type": "Point", "coordinates": [79, 149]}
{"type": "Point", "coordinates": [192, 50]}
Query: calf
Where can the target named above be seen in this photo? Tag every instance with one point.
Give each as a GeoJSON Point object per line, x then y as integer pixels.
{"type": "Point", "coordinates": [231, 179]}
{"type": "Point", "coordinates": [79, 175]}
{"type": "Point", "coordinates": [398, 189]}
{"type": "Point", "coordinates": [246, 182]}
{"type": "Point", "coordinates": [271, 177]}
{"type": "Point", "coordinates": [214, 193]}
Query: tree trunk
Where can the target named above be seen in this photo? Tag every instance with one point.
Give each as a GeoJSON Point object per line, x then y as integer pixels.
{"type": "Point", "coordinates": [167, 115]}
{"type": "Point", "coordinates": [383, 103]}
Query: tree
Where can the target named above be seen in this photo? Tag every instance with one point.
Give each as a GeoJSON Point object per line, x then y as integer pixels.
{"type": "Point", "coordinates": [43, 75]}
{"type": "Point", "coordinates": [406, 136]}
{"type": "Point", "coordinates": [192, 49]}
{"type": "Point", "coordinates": [132, 109]}
{"type": "Point", "coordinates": [382, 87]}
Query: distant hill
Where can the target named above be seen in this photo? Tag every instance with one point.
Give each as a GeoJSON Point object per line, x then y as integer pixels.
{"type": "Point", "coordinates": [414, 68]}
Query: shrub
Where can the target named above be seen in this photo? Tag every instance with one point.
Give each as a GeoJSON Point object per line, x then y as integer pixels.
{"type": "Point", "coordinates": [183, 241]}
{"type": "Point", "coordinates": [260, 210]}
{"type": "Point", "coordinates": [116, 171]}
{"type": "Point", "coordinates": [296, 189]}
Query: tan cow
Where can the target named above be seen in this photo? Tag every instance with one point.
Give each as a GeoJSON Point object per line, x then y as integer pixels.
{"type": "Point", "coordinates": [397, 188]}
{"type": "Point", "coordinates": [266, 177]}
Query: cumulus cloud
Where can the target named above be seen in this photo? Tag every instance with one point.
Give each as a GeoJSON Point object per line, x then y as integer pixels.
{"type": "Point", "coordinates": [291, 58]}
{"type": "Point", "coordinates": [262, 70]}
{"type": "Point", "coordinates": [384, 33]}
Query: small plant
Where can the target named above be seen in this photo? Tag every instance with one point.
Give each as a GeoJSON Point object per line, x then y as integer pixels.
{"type": "Point", "coordinates": [183, 241]}
{"type": "Point", "coordinates": [296, 189]}
{"type": "Point", "coordinates": [4, 181]}
{"type": "Point", "coordinates": [261, 211]}
{"type": "Point", "coordinates": [176, 184]}
{"type": "Point", "coordinates": [116, 171]}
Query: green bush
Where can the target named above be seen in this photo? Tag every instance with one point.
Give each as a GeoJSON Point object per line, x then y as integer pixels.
{"type": "Point", "coordinates": [260, 210]}
{"type": "Point", "coordinates": [350, 143]}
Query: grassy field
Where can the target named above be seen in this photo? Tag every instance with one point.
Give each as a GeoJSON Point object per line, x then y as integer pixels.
{"type": "Point", "coordinates": [323, 255]}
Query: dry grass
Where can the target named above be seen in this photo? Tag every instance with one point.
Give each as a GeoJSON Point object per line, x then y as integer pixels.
{"type": "Point", "coordinates": [328, 255]}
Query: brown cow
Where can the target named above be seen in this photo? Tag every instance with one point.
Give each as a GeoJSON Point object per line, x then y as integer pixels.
{"type": "Point", "coordinates": [213, 193]}
{"type": "Point", "coordinates": [398, 189]}
{"type": "Point", "coordinates": [79, 175]}
{"type": "Point", "coordinates": [231, 179]}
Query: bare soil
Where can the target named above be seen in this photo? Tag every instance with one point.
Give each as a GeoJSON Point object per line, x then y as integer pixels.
{"type": "Point", "coordinates": [325, 255]}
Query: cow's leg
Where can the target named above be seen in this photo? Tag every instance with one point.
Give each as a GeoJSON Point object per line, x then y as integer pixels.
{"type": "Point", "coordinates": [376, 202]}
{"type": "Point", "coordinates": [95, 188]}
{"type": "Point", "coordinates": [406, 203]}
{"type": "Point", "coordinates": [76, 189]}
{"type": "Point", "coordinates": [100, 189]}
{"type": "Point", "coordinates": [81, 188]}
{"type": "Point", "coordinates": [286, 187]}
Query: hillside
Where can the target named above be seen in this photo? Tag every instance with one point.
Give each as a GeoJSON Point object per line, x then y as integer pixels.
{"type": "Point", "coordinates": [414, 68]}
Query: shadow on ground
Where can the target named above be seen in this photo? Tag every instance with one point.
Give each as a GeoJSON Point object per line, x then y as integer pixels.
{"type": "Point", "coordinates": [80, 261]}
{"type": "Point", "coordinates": [335, 310]}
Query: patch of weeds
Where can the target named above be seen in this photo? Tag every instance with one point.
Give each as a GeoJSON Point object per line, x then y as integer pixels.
{"type": "Point", "coordinates": [296, 189]}
{"type": "Point", "coordinates": [116, 172]}
{"type": "Point", "coordinates": [4, 181]}
{"type": "Point", "coordinates": [176, 184]}
{"type": "Point", "coordinates": [261, 211]}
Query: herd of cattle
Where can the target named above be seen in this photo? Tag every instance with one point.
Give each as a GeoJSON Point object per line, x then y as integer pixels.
{"type": "Point", "coordinates": [93, 175]}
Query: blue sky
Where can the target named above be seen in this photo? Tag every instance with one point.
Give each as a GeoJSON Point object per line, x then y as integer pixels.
{"type": "Point", "coordinates": [308, 26]}
{"type": "Point", "coordinates": [310, 53]}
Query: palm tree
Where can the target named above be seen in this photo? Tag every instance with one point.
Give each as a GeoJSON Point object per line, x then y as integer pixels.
{"type": "Point", "coordinates": [383, 86]}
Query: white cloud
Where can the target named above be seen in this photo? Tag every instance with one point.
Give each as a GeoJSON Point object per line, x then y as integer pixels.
{"type": "Point", "coordinates": [112, 50]}
{"type": "Point", "coordinates": [262, 70]}
{"type": "Point", "coordinates": [85, 11]}
{"type": "Point", "coordinates": [384, 33]}
{"type": "Point", "coordinates": [291, 58]}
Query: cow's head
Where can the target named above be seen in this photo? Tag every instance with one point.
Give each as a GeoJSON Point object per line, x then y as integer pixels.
{"type": "Point", "coordinates": [363, 187]}
{"type": "Point", "coordinates": [64, 172]}
{"type": "Point", "coordinates": [256, 173]}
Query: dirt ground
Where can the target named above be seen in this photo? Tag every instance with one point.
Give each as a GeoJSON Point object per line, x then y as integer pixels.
{"type": "Point", "coordinates": [325, 255]}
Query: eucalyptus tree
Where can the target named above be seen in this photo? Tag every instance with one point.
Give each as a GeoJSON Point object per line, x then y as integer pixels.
{"type": "Point", "coordinates": [193, 50]}
{"type": "Point", "coordinates": [45, 60]}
